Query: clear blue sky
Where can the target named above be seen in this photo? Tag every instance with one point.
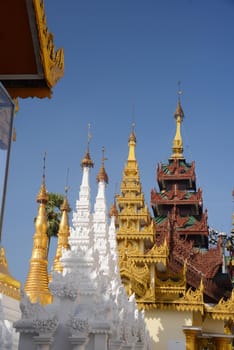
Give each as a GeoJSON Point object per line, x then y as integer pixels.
{"type": "Point", "coordinates": [119, 53]}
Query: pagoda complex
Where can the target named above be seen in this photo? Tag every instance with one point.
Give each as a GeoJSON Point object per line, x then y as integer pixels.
{"type": "Point", "coordinates": [85, 305]}
{"type": "Point", "coordinates": [166, 259]}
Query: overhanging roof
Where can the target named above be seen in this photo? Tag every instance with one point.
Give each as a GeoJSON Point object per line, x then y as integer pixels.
{"type": "Point", "coordinates": [29, 64]}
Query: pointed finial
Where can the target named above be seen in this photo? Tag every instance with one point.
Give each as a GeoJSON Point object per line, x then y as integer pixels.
{"type": "Point", "coordinates": [102, 176]}
{"type": "Point", "coordinates": [133, 113]}
{"type": "Point", "coordinates": [67, 186]}
{"type": "Point", "coordinates": [132, 136]}
{"type": "Point", "coordinates": [180, 92]}
{"type": "Point", "coordinates": [89, 134]}
{"type": "Point", "coordinates": [44, 168]}
{"type": "Point", "coordinates": [132, 143]}
{"type": "Point", "coordinates": [113, 209]}
{"type": "Point", "coordinates": [42, 196]}
{"type": "Point", "coordinates": [177, 147]}
{"type": "Point", "coordinates": [179, 111]}
{"type": "Point", "coordinates": [87, 161]}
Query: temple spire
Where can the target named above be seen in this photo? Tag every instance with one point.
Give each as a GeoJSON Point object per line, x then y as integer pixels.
{"type": "Point", "coordinates": [177, 147]}
{"type": "Point", "coordinates": [63, 233]}
{"type": "Point", "coordinates": [87, 161]}
{"type": "Point", "coordinates": [132, 144]}
{"type": "Point", "coordinates": [80, 232]}
{"type": "Point", "coordinates": [36, 285]}
{"type": "Point", "coordinates": [102, 175]}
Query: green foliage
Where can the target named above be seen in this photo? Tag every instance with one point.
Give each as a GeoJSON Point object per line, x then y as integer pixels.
{"type": "Point", "coordinates": [53, 213]}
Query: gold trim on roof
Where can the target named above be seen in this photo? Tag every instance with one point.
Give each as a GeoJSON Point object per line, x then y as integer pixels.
{"type": "Point", "coordinates": [52, 60]}
{"type": "Point", "coordinates": [224, 310]}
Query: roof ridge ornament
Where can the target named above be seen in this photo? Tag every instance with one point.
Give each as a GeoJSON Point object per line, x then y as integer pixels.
{"type": "Point", "coordinates": [87, 161]}
{"type": "Point", "coordinates": [177, 146]}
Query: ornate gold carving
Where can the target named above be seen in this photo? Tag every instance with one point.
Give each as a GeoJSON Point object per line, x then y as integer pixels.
{"type": "Point", "coordinates": [224, 310]}
{"type": "Point", "coordinates": [52, 60]}
{"type": "Point", "coordinates": [36, 286]}
{"type": "Point", "coordinates": [8, 285]}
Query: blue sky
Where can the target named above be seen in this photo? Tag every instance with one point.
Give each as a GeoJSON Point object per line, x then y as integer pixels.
{"type": "Point", "coordinates": [119, 54]}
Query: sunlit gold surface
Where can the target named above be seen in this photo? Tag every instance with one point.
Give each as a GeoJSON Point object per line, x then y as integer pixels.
{"type": "Point", "coordinates": [177, 147]}
{"type": "Point", "coordinates": [36, 286]}
{"type": "Point", "coordinates": [143, 264]}
{"type": "Point", "coordinates": [8, 285]}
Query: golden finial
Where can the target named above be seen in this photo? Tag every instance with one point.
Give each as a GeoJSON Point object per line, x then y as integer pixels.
{"type": "Point", "coordinates": [65, 205]}
{"type": "Point", "coordinates": [63, 233]}
{"type": "Point", "coordinates": [87, 161]}
{"type": "Point", "coordinates": [42, 196]}
{"type": "Point", "coordinates": [177, 147]}
{"type": "Point", "coordinates": [102, 175]}
{"type": "Point", "coordinates": [132, 143]}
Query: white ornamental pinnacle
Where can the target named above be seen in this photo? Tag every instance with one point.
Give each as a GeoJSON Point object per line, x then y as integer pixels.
{"type": "Point", "coordinates": [100, 224]}
{"type": "Point", "coordinates": [80, 233]}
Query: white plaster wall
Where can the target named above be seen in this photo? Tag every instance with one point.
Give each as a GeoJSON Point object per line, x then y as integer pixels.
{"type": "Point", "coordinates": [10, 312]}
{"type": "Point", "coordinates": [165, 329]}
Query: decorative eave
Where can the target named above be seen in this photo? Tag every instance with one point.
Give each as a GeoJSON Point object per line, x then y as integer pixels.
{"type": "Point", "coordinates": [29, 64]}
{"type": "Point", "coordinates": [191, 301]}
{"type": "Point", "coordinates": [224, 310]}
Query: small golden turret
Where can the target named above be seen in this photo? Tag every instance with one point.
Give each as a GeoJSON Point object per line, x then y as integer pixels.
{"type": "Point", "coordinates": [36, 285]}
{"type": "Point", "coordinates": [63, 235]}
{"type": "Point", "coordinates": [177, 147]}
{"type": "Point", "coordinates": [102, 175]}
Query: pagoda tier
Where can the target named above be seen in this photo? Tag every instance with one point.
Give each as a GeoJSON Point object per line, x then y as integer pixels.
{"type": "Point", "coordinates": [178, 195]}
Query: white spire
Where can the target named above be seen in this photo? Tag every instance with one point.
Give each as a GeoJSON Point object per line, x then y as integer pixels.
{"type": "Point", "coordinates": [80, 233]}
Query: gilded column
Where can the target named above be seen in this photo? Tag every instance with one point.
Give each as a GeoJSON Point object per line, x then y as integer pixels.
{"type": "Point", "coordinates": [191, 334]}
{"type": "Point", "coordinates": [222, 343]}
{"type": "Point", "coordinates": [36, 286]}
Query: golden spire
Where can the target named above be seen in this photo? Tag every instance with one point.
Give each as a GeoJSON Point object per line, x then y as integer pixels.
{"type": "Point", "coordinates": [87, 161]}
{"type": "Point", "coordinates": [8, 285]}
{"type": "Point", "coordinates": [63, 234]}
{"type": "Point", "coordinates": [36, 285]}
{"type": "Point", "coordinates": [177, 147]}
{"type": "Point", "coordinates": [132, 144]}
{"type": "Point", "coordinates": [102, 175]}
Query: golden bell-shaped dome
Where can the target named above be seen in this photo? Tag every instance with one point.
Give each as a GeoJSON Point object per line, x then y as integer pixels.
{"type": "Point", "coordinates": [87, 161]}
